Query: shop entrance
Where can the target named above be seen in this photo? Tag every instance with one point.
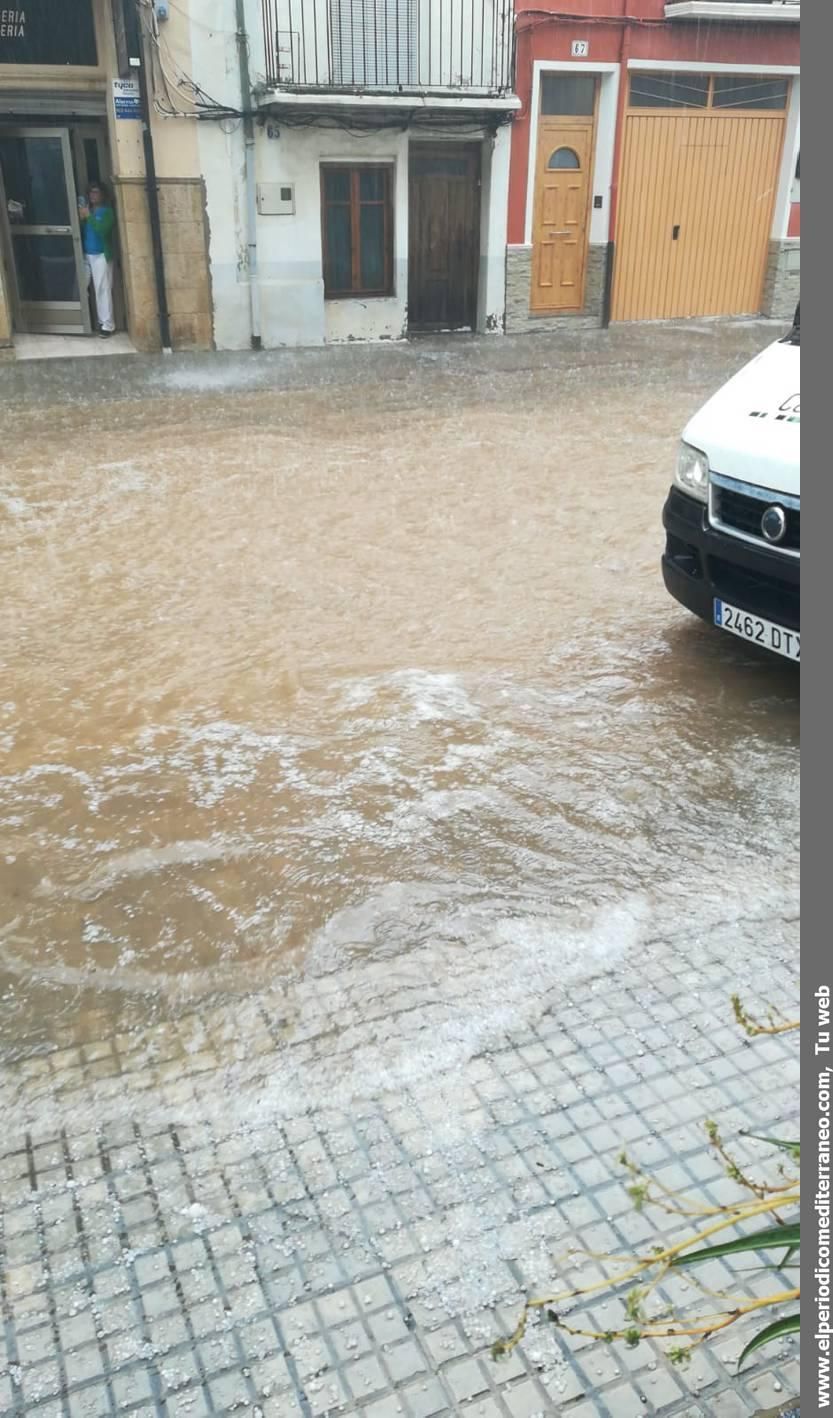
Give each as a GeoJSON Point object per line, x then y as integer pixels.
{"type": "Point", "coordinates": [43, 172]}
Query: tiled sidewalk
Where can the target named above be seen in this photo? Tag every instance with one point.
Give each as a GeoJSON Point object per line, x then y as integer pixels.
{"type": "Point", "coordinates": [330, 1200]}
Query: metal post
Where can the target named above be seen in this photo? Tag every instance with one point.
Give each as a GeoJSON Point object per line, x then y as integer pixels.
{"type": "Point", "coordinates": [251, 195]}
{"type": "Point", "coordinates": [153, 195]}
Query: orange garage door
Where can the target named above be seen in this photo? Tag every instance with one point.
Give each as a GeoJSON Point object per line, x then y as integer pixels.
{"type": "Point", "coordinates": [695, 212]}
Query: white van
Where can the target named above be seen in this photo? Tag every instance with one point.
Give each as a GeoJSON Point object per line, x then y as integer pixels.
{"type": "Point", "coordinates": [733, 515]}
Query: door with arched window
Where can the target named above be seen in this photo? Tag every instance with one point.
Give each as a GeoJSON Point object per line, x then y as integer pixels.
{"type": "Point", "coordinates": [559, 233]}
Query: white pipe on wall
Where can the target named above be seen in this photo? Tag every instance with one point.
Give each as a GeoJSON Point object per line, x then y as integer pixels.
{"type": "Point", "coordinates": [251, 192]}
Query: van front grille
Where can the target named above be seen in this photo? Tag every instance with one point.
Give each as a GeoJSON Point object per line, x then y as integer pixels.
{"type": "Point", "coordinates": [737, 509]}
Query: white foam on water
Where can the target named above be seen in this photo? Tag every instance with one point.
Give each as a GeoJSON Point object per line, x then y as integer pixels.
{"type": "Point", "coordinates": [424, 696]}
{"type": "Point", "coordinates": [145, 861]}
{"type": "Point", "coordinates": [486, 974]}
{"type": "Point", "coordinates": [560, 788]}
{"type": "Point", "coordinates": [15, 506]}
{"type": "Point", "coordinates": [125, 477]}
{"type": "Point", "coordinates": [210, 379]}
{"type": "Point", "coordinates": [218, 757]}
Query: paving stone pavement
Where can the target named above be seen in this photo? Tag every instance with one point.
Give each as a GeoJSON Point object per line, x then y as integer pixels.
{"type": "Point", "coordinates": [330, 1198]}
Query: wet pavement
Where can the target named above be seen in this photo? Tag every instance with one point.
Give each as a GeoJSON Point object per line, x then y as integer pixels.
{"type": "Point", "coordinates": [379, 849]}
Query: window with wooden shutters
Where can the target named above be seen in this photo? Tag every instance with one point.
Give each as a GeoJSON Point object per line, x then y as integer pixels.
{"type": "Point", "coordinates": [374, 43]}
{"type": "Point", "coordinates": [357, 229]}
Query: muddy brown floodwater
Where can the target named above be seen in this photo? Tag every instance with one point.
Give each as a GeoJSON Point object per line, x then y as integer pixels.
{"type": "Point", "coordinates": [353, 651]}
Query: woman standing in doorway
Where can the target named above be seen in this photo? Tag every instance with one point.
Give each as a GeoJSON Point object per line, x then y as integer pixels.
{"type": "Point", "coordinates": [97, 222]}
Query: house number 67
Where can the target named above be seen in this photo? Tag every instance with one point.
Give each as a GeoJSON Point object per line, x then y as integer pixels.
{"type": "Point", "coordinates": [580, 48]}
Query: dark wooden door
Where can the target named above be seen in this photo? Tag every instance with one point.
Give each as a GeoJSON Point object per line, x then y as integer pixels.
{"type": "Point", "coordinates": [444, 244]}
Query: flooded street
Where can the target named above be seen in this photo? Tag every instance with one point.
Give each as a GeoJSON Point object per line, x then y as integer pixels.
{"type": "Point", "coordinates": [357, 652]}
{"type": "Point", "coordinates": [380, 847]}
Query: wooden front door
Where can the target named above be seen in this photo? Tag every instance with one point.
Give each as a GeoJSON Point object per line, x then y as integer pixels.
{"type": "Point", "coordinates": [444, 236]}
{"type": "Point", "coordinates": [695, 212]}
{"type": "Point", "coordinates": [562, 193]}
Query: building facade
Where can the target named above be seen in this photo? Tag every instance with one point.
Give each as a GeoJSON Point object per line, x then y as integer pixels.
{"type": "Point", "coordinates": [70, 115]}
{"type": "Point", "coordinates": [655, 161]}
{"type": "Point", "coordinates": [382, 167]}
{"type": "Point", "coordinates": [298, 172]}
{"type": "Point", "coordinates": [326, 170]}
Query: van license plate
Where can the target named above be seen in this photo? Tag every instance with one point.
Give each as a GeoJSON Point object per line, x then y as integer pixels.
{"type": "Point", "coordinates": [757, 631]}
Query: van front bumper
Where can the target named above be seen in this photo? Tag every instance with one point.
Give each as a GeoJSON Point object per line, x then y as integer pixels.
{"type": "Point", "coordinates": [701, 563]}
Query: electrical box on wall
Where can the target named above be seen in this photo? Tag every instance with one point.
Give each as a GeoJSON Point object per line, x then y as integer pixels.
{"type": "Point", "coordinates": [276, 199]}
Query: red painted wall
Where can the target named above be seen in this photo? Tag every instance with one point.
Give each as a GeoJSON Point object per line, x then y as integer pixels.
{"type": "Point", "coordinates": [794, 227]}
{"type": "Point", "coordinates": [545, 30]}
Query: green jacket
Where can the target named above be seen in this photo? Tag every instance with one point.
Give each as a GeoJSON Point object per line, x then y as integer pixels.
{"type": "Point", "coordinates": [102, 220]}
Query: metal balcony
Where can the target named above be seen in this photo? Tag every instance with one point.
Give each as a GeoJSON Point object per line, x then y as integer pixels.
{"type": "Point", "coordinates": [405, 47]}
{"type": "Point", "coordinates": [735, 11]}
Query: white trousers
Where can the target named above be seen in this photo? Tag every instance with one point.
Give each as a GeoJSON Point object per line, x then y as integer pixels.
{"type": "Point", "coordinates": [100, 272]}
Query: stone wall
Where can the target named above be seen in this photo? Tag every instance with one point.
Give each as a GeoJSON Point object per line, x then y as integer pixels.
{"type": "Point", "coordinates": [518, 285]}
{"type": "Point", "coordinates": [185, 249]}
{"type": "Point", "coordinates": [782, 288]}
{"type": "Point", "coordinates": [782, 282]}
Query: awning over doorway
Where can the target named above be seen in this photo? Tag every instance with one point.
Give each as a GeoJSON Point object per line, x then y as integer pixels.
{"type": "Point", "coordinates": [28, 103]}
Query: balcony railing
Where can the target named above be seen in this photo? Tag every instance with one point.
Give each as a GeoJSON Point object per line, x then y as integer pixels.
{"type": "Point", "coordinates": [396, 46]}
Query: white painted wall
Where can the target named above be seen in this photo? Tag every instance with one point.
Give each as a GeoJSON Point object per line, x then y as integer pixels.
{"type": "Point", "coordinates": [785, 194]}
{"type": "Point", "coordinates": [222, 163]}
{"type": "Point", "coordinates": [491, 303]}
{"type": "Point", "coordinates": [289, 248]}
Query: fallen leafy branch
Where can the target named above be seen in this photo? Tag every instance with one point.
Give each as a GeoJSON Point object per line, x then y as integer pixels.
{"type": "Point", "coordinates": [637, 1277]}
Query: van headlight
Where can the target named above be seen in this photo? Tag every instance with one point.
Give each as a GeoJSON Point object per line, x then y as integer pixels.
{"type": "Point", "coordinates": [692, 474]}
